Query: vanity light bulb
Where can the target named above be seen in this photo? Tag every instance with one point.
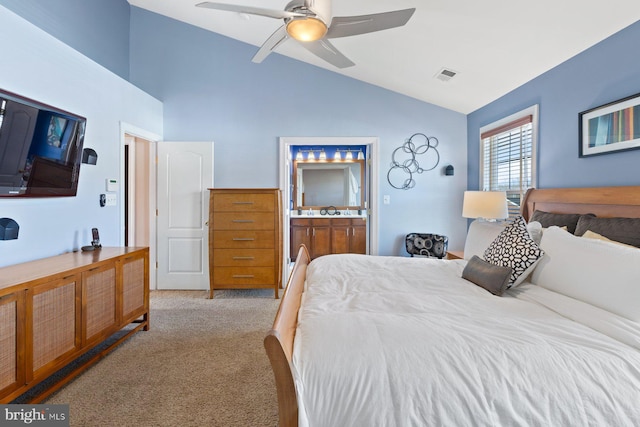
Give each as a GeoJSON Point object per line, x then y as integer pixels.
{"type": "Point", "coordinates": [337, 156]}
{"type": "Point", "coordinates": [360, 155]}
{"type": "Point", "coordinates": [323, 155]}
{"type": "Point", "coordinates": [299, 156]}
{"type": "Point", "coordinates": [311, 157]}
{"type": "Point", "coordinates": [348, 156]}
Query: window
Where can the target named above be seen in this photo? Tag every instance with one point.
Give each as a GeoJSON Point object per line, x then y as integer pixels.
{"type": "Point", "coordinates": [508, 156]}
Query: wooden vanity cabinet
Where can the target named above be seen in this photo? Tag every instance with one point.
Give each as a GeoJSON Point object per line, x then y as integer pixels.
{"type": "Point", "coordinates": [315, 234]}
{"type": "Point", "coordinates": [323, 236]}
{"type": "Point", "coordinates": [348, 235]}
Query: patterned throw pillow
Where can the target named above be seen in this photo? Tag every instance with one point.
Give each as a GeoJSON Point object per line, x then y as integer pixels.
{"type": "Point", "coordinates": [514, 248]}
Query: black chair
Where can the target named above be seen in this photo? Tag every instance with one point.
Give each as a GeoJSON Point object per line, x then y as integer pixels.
{"type": "Point", "coordinates": [429, 245]}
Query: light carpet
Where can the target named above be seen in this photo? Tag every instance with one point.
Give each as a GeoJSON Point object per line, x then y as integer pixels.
{"type": "Point", "coordinates": [202, 363]}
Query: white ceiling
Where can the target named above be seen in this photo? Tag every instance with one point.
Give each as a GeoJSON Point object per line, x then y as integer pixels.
{"type": "Point", "coordinates": [472, 37]}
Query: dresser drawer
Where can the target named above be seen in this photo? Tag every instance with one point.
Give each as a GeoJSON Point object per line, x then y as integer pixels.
{"type": "Point", "coordinates": [244, 221]}
{"type": "Point", "coordinates": [243, 239]}
{"type": "Point", "coordinates": [243, 276]}
{"type": "Point", "coordinates": [243, 257]}
{"type": "Point", "coordinates": [239, 202]}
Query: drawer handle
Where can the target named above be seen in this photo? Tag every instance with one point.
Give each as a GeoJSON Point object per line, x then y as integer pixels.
{"type": "Point", "coordinates": [243, 276]}
{"type": "Point", "coordinates": [242, 203]}
{"type": "Point", "coordinates": [243, 239]}
{"type": "Point", "coordinates": [244, 257]}
{"type": "Point", "coordinates": [242, 220]}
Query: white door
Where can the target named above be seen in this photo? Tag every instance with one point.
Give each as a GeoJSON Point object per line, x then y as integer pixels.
{"type": "Point", "coordinates": [185, 172]}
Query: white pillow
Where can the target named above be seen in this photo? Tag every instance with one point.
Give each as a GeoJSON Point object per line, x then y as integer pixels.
{"type": "Point", "coordinates": [591, 235]}
{"type": "Point", "coordinates": [535, 231]}
{"type": "Point", "coordinates": [592, 271]}
{"type": "Point", "coordinates": [480, 236]}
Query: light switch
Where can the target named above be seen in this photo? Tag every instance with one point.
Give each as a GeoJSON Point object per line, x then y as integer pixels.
{"type": "Point", "coordinates": [111, 199]}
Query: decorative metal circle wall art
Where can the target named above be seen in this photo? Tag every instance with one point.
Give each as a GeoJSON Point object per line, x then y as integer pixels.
{"type": "Point", "coordinates": [404, 162]}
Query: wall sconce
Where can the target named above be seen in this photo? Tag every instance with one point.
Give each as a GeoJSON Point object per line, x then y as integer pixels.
{"type": "Point", "coordinates": [311, 155]}
{"type": "Point", "coordinates": [448, 171]}
{"type": "Point", "coordinates": [340, 154]}
{"type": "Point", "coordinates": [348, 154]}
{"type": "Point", "coordinates": [8, 229]}
{"type": "Point", "coordinates": [89, 156]}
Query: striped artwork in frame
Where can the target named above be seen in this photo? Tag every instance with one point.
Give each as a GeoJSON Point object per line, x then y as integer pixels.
{"type": "Point", "coordinates": [611, 127]}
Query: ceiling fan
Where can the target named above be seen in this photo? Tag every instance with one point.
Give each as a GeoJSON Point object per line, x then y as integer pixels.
{"type": "Point", "coordinates": [310, 22]}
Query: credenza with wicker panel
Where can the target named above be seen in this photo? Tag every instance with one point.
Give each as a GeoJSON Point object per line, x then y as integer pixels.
{"type": "Point", "coordinates": [245, 239]}
{"type": "Point", "coordinates": [54, 310]}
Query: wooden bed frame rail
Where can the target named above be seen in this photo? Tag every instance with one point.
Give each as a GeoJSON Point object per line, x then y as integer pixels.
{"type": "Point", "coordinates": [279, 341]}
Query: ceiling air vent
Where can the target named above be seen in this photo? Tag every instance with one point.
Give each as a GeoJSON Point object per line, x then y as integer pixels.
{"type": "Point", "coordinates": [445, 74]}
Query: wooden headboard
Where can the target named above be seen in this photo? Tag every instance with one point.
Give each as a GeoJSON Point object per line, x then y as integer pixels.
{"type": "Point", "coordinates": [600, 201]}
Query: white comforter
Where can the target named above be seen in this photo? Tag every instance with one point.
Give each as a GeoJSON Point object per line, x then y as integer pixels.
{"type": "Point", "coordinates": [390, 341]}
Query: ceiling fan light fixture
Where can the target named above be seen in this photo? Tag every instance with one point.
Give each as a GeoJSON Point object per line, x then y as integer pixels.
{"type": "Point", "coordinates": [306, 29]}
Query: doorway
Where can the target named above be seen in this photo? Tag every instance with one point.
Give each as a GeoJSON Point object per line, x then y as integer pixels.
{"type": "Point", "coordinates": [371, 174]}
{"type": "Point", "coordinates": [138, 201]}
{"type": "Point", "coordinates": [138, 191]}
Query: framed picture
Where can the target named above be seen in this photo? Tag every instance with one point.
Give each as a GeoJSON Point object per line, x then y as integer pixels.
{"type": "Point", "coordinates": [611, 127]}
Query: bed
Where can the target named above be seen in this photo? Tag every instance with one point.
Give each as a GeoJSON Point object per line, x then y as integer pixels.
{"type": "Point", "coordinates": [394, 341]}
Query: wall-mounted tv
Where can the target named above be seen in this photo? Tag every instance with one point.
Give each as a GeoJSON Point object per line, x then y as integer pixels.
{"type": "Point", "coordinates": [40, 148]}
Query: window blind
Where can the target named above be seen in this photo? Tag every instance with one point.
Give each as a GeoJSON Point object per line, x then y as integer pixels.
{"type": "Point", "coordinates": [507, 153]}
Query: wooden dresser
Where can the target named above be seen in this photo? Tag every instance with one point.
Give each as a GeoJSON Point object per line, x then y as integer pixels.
{"type": "Point", "coordinates": [245, 239]}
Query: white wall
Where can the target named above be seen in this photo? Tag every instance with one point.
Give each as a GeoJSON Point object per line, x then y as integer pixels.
{"type": "Point", "coordinates": [40, 67]}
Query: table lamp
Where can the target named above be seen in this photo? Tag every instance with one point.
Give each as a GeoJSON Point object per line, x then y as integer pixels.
{"type": "Point", "coordinates": [485, 205]}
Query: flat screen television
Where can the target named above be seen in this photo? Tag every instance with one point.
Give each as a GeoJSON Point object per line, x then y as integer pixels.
{"type": "Point", "coordinates": [40, 148]}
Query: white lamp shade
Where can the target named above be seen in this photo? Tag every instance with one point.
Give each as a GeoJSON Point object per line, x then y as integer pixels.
{"type": "Point", "coordinates": [485, 204]}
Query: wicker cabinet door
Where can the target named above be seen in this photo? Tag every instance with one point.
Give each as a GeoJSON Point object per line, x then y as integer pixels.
{"type": "Point", "coordinates": [11, 343]}
{"type": "Point", "coordinates": [55, 335]}
{"type": "Point", "coordinates": [99, 315]}
{"type": "Point", "coordinates": [134, 287]}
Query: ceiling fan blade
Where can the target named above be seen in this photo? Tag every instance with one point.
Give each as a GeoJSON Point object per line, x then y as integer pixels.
{"type": "Point", "coordinates": [277, 38]}
{"type": "Point", "coordinates": [344, 26]}
{"type": "Point", "coordinates": [325, 50]}
{"type": "Point", "coordinates": [270, 13]}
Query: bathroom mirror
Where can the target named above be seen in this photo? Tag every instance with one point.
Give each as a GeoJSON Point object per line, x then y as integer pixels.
{"type": "Point", "coordinates": [317, 185]}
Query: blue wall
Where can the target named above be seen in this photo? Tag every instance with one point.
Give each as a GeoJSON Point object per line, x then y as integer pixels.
{"type": "Point", "coordinates": [606, 72]}
{"type": "Point", "coordinates": [212, 91]}
{"type": "Point", "coordinates": [54, 225]}
{"type": "Point", "coordinates": [99, 29]}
